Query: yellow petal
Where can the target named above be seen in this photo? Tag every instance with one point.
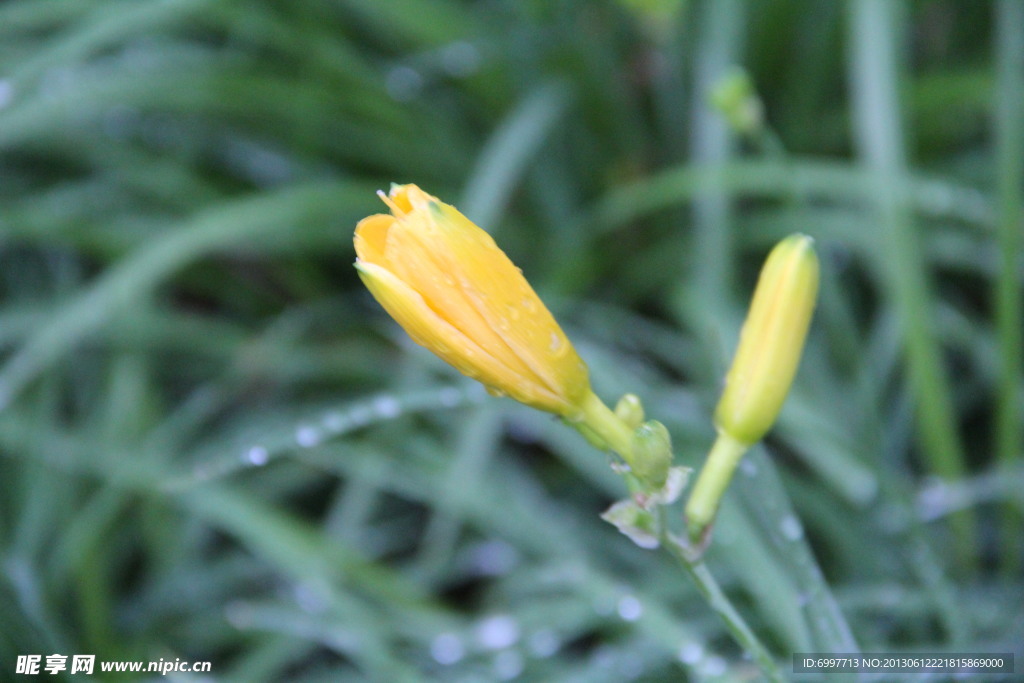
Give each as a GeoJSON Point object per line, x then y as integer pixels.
{"type": "Point", "coordinates": [416, 258]}
{"type": "Point", "coordinates": [428, 329]}
{"type": "Point", "coordinates": [498, 291]}
{"type": "Point", "coordinates": [371, 236]}
{"type": "Point", "coordinates": [459, 277]}
{"type": "Point", "coordinates": [410, 198]}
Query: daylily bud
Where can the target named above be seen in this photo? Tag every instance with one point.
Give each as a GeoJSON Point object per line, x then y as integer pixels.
{"type": "Point", "coordinates": [455, 292]}
{"type": "Point", "coordinates": [771, 341]}
{"type": "Point", "coordinates": [735, 97]}
{"type": "Point", "coordinates": [630, 410]}
{"type": "Point", "coordinates": [652, 454]}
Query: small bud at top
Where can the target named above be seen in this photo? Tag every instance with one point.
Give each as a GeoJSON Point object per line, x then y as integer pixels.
{"type": "Point", "coordinates": [630, 410]}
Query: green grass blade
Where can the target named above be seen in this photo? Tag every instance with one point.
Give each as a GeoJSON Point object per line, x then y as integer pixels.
{"type": "Point", "coordinates": [1009, 301]}
{"type": "Point", "coordinates": [874, 84]}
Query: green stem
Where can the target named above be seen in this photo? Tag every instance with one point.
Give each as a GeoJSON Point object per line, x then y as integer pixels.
{"type": "Point", "coordinates": [878, 127]}
{"type": "Point", "coordinates": [719, 602]}
{"type": "Point", "coordinates": [600, 419]}
{"type": "Point", "coordinates": [1009, 145]}
{"type": "Point", "coordinates": [712, 482]}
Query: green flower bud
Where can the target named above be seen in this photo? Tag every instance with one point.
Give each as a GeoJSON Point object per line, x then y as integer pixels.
{"type": "Point", "coordinates": [652, 454]}
{"type": "Point", "coordinates": [630, 410]}
{"type": "Point", "coordinates": [771, 342]}
{"type": "Point", "coordinates": [734, 96]}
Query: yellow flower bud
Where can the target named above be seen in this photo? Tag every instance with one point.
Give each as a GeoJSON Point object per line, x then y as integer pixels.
{"type": "Point", "coordinates": [771, 341]}
{"type": "Point", "coordinates": [456, 293]}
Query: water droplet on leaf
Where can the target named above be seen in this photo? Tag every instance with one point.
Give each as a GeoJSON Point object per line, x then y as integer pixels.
{"type": "Point", "coordinates": [447, 649]}
{"type": "Point", "coordinates": [257, 456]}
{"type": "Point", "coordinates": [691, 653]}
{"type": "Point", "coordinates": [307, 436]}
{"type": "Point", "coordinates": [630, 608]}
{"type": "Point", "coordinates": [791, 528]}
{"type": "Point", "coordinates": [497, 632]}
{"type": "Point", "coordinates": [387, 406]}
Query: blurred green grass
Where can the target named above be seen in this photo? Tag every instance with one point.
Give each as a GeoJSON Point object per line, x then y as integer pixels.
{"type": "Point", "coordinates": [215, 446]}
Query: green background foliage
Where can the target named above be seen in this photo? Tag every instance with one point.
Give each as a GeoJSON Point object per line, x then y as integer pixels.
{"type": "Point", "coordinates": [216, 446]}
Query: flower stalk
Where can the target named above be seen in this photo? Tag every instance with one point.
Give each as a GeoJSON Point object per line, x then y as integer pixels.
{"type": "Point", "coordinates": [702, 506]}
{"type": "Point", "coordinates": [456, 293]}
